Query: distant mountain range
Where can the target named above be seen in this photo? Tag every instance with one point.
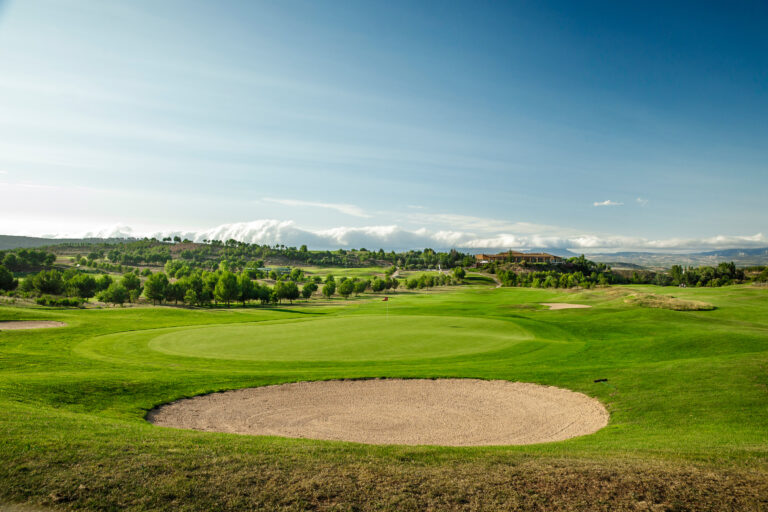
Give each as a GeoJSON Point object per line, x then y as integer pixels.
{"type": "Point", "coordinates": [741, 257]}
{"type": "Point", "coordinates": [639, 260]}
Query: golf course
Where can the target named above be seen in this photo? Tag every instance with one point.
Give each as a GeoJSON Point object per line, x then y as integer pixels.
{"type": "Point", "coordinates": [685, 390]}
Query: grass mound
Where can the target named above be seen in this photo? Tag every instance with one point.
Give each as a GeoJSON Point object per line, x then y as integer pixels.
{"type": "Point", "coordinates": [652, 300]}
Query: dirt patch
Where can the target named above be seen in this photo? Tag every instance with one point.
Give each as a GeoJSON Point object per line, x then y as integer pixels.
{"type": "Point", "coordinates": [30, 324]}
{"type": "Point", "coordinates": [447, 412]}
{"type": "Point", "coordinates": [562, 305]}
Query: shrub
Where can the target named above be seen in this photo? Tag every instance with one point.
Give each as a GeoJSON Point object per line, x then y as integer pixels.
{"type": "Point", "coordinates": [47, 300]}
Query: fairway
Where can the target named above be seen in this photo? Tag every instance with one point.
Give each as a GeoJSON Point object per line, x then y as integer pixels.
{"type": "Point", "coordinates": [355, 338]}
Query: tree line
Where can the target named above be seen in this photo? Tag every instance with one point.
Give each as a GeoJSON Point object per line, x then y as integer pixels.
{"type": "Point", "coordinates": [207, 255]}
{"type": "Point", "coordinates": [198, 288]}
{"type": "Point", "coordinates": [581, 272]}
{"type": "Point", "coordinates": [22, 260]}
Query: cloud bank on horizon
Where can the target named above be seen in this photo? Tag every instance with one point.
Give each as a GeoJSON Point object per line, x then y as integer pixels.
{"type": "Point", "coordinates": [393, 237]}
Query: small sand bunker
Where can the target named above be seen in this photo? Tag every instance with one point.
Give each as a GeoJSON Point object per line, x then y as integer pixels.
{"type": "Point", "coordinates": [448, 412]}
{"type": "Point", "coordinates": [31, 324]}
{"type": "Point", "coordinates": [564, 305]}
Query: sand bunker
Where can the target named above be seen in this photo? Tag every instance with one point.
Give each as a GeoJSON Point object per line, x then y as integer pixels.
{"type": "Point", "coordinates": [563, 305]}
{"type": "Point", "coordinates": [448, 412]}
{"type": "Point", "coordinates": [36, 324]}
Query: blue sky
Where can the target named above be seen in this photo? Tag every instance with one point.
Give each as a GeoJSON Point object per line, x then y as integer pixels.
{"type": "Point", "coordinates": [591, 126]}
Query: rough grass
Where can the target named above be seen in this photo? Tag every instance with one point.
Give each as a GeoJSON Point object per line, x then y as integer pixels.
{"type": "Point", "coordinates": [652, 300]}
{"type": "Point", "coordinates": [687, 392]}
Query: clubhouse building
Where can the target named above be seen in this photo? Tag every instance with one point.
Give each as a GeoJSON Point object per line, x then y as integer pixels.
{"type": "Point", "coordinates": [517, 257]}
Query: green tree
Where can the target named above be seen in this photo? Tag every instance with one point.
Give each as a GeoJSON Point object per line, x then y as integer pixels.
{"type": "Point", "coordinates": [459, 273]}
{"type": "Point", "coordinates": [116, 294]}
{"type": "Point", "coordinates": [103, 282]}
{"type": "Point", "coordinates": [361, 286]}
{"type": "Point", "coordinates": [12, 262]}
{"type": "Point", "coordinates": [346, 288]}
{"type": "Point", "coordinates": [676, 273]}
{"type": "Point", "coordinates": [48, 281]}
{"type": "Point", "coordinates": [7, 282]}
{"type": "Point", "coordinates": [227, 289]}
{"type": "Point", "coordinates": [308, 290]}
{"type": "Point", "coordinates": [283, 289]}
{"type": "Point", "coordinates": [291, 291]}
{"type": "Point", "coordinates": [329, 289]}
{"type": "Point", "coordinates": [155, 287]}
{"type": "Point", "coordinates": [175, 292]}
{"type": "Point", "coordinates": [82, 285]}
{"type": "Point", "coordinates": [264, 294]}
{"type": "Point", "coordinates": [132, 283]}
{"type": "Point", "coordinates": [247, 289]}
{"type": "Point", "coordinates": [196, 285]}
{"type": "Point", "coordinates": [191, 297]}
{"type": "Point", "coordinates": [377, 285]}
{"type": "Point", "coordinates": [297, 274]}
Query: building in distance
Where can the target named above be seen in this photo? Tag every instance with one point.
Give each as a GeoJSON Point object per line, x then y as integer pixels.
{"type": "Point", "coordinates": [517, 257]}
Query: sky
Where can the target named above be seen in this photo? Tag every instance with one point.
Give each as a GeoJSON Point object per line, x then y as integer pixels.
{"type": "Point", "coordinates": [590, 126]}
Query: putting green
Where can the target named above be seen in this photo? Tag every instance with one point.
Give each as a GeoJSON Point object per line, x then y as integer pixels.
{"type": "Point", "coordinates": [353, 338]}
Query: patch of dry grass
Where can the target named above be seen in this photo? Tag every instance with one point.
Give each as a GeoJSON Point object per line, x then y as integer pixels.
{"type": "Point", "coordinates": [258, 482]}
{"type": "Point", "coordinates": [652, 300]}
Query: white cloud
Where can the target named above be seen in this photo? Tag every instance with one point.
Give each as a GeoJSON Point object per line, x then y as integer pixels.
{"type": "Point", "coordinates": [347, 209]}
{"type": "Point", "coordinates": [607, 202]}
{"type": "Point", "coordinates": [396, 237]}
{"type": "Point", "coordinates": [116, 231]}
{"type": "Point", "coordinates": [270, 231]}
{"type": "Point", "coordinates": [641, 201]}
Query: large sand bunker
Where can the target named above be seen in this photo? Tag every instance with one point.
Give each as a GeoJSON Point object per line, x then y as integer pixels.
{"type": "Point", "coordinates": [563, 305]}
{"type": "Point", "coordinates": [30, 324]}
{"type": "Point", "coordinates": [449, 412]}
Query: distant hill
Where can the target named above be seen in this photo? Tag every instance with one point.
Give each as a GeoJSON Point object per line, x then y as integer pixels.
{"type": "Point", "coordinates": [29, 242]}
{"type": "Point", "coordinates": [639, 260]}
{"type": "Point", "coordinates": [737, 253]}
{"type": "Point", "coordinates": [741, 257]}
{"type": "Point", "coordinates": [563, 253]}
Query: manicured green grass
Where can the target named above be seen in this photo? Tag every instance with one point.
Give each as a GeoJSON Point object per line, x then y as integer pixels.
{"type": "Point", "coordinates": [341, 338]}
{"type": "Point", "coordinates": [687, 393]}
{"type": "Point", "coordinates": [361, 272]}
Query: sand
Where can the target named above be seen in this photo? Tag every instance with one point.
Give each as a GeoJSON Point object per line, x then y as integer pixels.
{"type": "Point", "coordinates": [448, 412]}
{"type": "Point", "coordinates": [563, 305]}
{"type": "Point", "coordinates": [36, 324]}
